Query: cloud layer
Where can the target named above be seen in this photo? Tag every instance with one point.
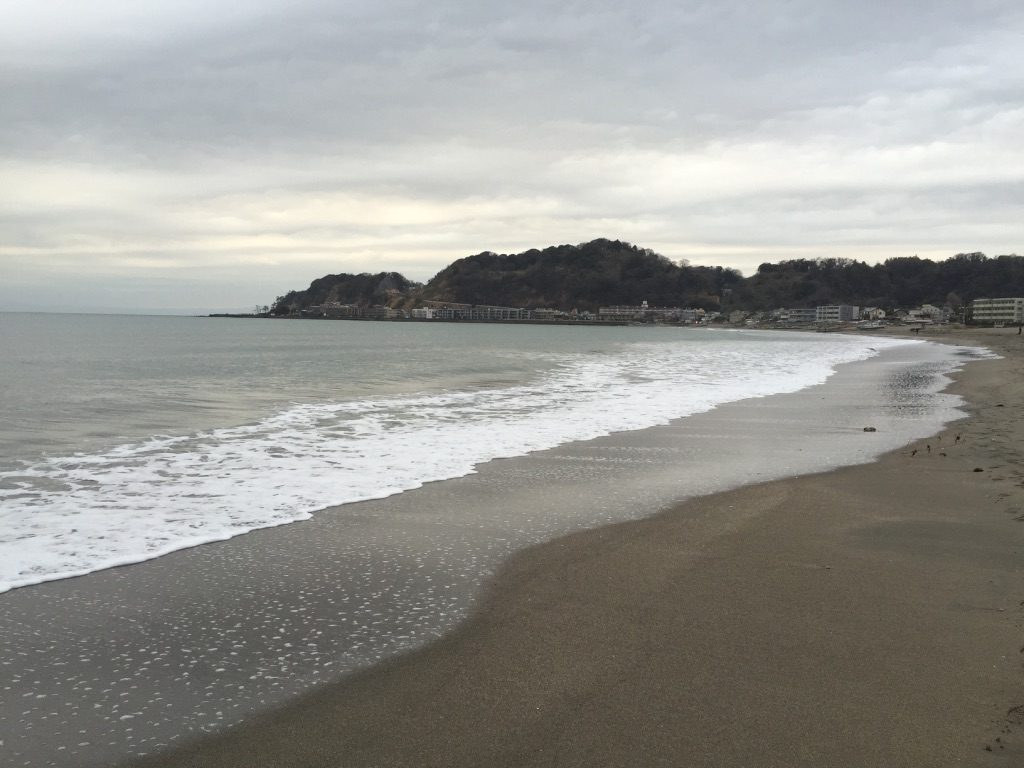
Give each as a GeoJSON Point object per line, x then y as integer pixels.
{"type": "Point", "coordinates": [219, 156]}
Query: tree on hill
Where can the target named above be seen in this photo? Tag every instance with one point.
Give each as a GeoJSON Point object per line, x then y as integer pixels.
{"type": "Point", "coordinates": [904, 281]}
{"type": "Point", "coordinates": [362, 290]}
{"type": "Point", "coordinates": [586, 276]}
{"type": "Point", "coordinates": [609, 272]}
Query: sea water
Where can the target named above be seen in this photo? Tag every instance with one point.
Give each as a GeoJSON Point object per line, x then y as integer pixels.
{"type": "Point", "coordinates": [125, 438]}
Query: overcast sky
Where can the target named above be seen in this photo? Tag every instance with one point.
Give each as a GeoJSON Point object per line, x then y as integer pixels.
{"type": "Point", "coordinates": [185, 155]}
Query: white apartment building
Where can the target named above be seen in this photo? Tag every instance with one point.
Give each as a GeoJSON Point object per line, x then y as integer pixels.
{"type": "Point", "coordinates": [998, 310]}
{"type": "Point", "coordinates": [836, 313]}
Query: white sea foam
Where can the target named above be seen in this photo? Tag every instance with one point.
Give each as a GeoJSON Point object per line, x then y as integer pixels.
{"type": "Point", "coordinates": [68, 516]}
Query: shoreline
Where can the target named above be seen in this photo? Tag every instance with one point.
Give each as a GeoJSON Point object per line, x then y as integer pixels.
{"type": "Point", "coordinates": [265, 431]}
{"type": "Point", "coordinates": [153, 655]}
{"type": "Point", "coordinates": [868, 615]}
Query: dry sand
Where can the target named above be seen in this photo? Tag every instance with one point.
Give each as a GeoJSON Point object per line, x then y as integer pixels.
{"type": "Point", "coordinates": [870, 616]}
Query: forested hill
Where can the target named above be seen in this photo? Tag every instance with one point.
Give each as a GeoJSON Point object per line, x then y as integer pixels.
{"type": "Point", "coordinates": [362, 290]}
{"type": "Point", "coordinates": [899, 282]}
{"type": "Point", "coordinates": [608, 272]}
{"type": "Point", "coordinates": [584, 277]}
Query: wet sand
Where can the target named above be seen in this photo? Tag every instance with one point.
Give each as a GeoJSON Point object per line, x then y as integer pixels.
{"type": "Point", "coordinates": [869, 616]}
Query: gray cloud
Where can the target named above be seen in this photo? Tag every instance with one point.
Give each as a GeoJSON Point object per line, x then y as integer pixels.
{"type": "Point", "coordinates": [299, 138]}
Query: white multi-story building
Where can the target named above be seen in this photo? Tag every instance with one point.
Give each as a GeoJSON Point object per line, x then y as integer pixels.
{"type": "Point", "coordinates": [836, 313]}
{"type": "Point", "coordinates": [998, 310]}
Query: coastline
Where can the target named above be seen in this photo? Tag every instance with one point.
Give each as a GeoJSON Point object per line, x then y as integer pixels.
{"type": "Point", "coordinates": [869, 615]}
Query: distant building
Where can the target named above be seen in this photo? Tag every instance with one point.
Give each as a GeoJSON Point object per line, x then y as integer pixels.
{"type": "Point", "coordinates": [645, 312]}
{"type": "Point", "coordinates": [836, 313]}
{"type": "Point", "coordinates": [929, 312]}
{"type": "Point", "coordinates": [798, 315]}
{"type": "Point", "coordinates": [335, 309]}
{"type": "Point", "coordinates": [423, 313]}
{"type": "Point", "coordinates": [477, 312]}
{"type": "Point", "coordinates": [623, 312]}
{"type": "Point", "coordinates": [998, 311]}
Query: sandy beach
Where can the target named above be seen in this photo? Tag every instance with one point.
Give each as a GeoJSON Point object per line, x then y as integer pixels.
{"type": "Point", "coordinates": [870, 616]}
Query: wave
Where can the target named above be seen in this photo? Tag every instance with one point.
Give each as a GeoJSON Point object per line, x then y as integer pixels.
{"type": "Point", "coordinates": [67, 516]}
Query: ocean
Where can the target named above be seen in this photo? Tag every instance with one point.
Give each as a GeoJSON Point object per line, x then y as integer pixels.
{"type": "Point", "coordinates": [124, 439]}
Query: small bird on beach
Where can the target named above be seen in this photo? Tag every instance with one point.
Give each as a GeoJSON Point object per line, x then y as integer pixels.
{"type": "Point", "coordinates": [957, 439]}
{"type": "Point", "coordinates": [914, 452]}
{"type": "Point", "coordinates": [929, 447]}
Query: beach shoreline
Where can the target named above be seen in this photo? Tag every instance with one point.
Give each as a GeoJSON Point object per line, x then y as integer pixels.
{"type": "Point", "coordinates": [869, 615]}
{"type": "Point", "coordinates": [130, 661]}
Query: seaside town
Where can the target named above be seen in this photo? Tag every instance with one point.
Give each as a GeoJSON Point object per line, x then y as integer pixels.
{"type": "Point", "coordinates": [612, 282]}
{"type": "Point", "coordinates": [991, 312]}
